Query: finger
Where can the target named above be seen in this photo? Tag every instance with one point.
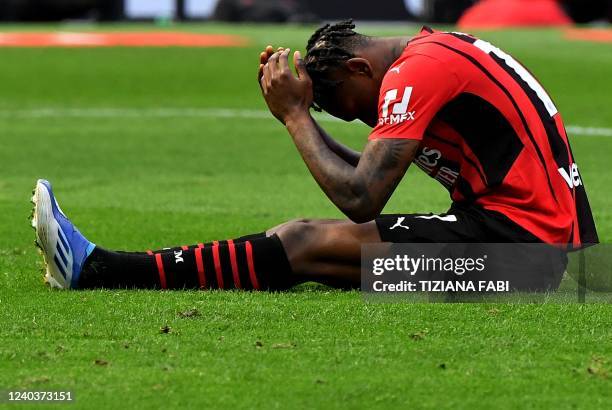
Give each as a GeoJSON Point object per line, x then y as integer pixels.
{"type": "Point", "coordinates": [273, 63]}
{"type": "Point", "coordinates": [267, 75]}
{"type": "Point", "coordinates": [280, 49]}
{"type": "Point", "coordinates": [260, 73]}
{"type": "Point", "coordinates": [283, 60]}
{"type": "Point", "coordinates": [300, 67]}
{"type": "Point", "coordinates": [267, 53]}
{"type": "Point", "coordinates": [263, 57]}
{"type": "Point", "coordinates": [269, 50]}
{"type": "Point", "coordinates": [263, 85]}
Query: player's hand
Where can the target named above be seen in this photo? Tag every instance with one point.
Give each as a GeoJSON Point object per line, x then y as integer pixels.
{"type": "Point", "coordinates": [263, 59]}
{"type": "Point", "coordinates": [286, 94]}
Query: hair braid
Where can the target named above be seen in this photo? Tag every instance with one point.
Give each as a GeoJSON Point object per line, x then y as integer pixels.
{"type": "Point", "coordinates": [327, 49]}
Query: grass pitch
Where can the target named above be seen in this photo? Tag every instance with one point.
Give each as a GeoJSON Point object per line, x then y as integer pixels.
{"type": "Point", "coordinates": [166, 146]}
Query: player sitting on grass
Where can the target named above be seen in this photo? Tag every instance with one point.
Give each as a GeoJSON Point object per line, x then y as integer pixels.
{"type": "Point", "coordinates": [462, 110]}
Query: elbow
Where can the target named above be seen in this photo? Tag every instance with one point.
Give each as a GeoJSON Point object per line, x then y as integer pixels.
{"type": "Point", "coordinates": [360, 211]}
{"type": "Point", "coordinates": [361, 218]}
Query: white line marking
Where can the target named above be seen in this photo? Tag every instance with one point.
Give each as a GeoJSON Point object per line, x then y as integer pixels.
{"type": "Point", "coordinates": [578, 130]}
{"type": "Point", "coordinates": [162, 112]}
{"type": "Point", "coordinates": [177, 112]}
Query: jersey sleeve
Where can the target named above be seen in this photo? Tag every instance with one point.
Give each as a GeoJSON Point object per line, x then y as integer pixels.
{"type": "Point", "coordinates": [411, 94]}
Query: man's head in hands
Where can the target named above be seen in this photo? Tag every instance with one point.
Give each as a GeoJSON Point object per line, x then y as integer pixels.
{"type": "Point", "coordinates": [345, 69]}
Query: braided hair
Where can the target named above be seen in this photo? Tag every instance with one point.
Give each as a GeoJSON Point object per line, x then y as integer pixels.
{"type": "Point", "coordinates": [327, 49]}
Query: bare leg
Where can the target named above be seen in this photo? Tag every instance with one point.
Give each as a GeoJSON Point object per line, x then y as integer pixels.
{"type": "Point", "coordinates": [274, 230]}
{"type": "Point", "coordinates": [326, 251]}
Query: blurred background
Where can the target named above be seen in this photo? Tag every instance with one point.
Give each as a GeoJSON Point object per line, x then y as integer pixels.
{"type": "Point", "coordinates": [106, 96]}
{"type": "Point", "coordinates": [466, 12]}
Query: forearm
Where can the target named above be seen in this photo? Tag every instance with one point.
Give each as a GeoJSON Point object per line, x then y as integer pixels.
{"type": "Point", "coordinates": [349, 155]}
{"type": "Point", "coordinates": [336, 176]}
{"type": "Point", "coordinates": [359, 187]}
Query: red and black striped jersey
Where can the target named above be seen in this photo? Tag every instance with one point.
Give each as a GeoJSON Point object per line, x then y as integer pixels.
{"type": "Point", "coordinates": [490, 134]}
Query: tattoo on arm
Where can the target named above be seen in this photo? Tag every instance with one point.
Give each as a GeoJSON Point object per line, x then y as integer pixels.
{"type": "Point", "coordinates": [384, 165]}
{"type": "Point", "coordinates": [391, 156]}
{"type": "Point", "coordinates": [360, 190]}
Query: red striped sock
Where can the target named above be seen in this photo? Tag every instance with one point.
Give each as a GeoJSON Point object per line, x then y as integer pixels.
{"type": "Point", "coordinates": [259, 263]}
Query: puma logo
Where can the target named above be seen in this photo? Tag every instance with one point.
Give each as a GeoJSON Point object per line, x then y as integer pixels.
{"type": "Point", "coordinates": [178, 256]}
{"type": "Point", "coordinates": [397, 69]}
{"type": "Point", "coordinates": [398, 224]}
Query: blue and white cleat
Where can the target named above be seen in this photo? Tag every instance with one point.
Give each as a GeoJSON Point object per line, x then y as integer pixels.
{"type": "Point", "coordinates": [64, 248]}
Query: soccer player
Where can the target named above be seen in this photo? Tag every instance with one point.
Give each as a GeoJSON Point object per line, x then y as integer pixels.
{"type": "Point", "coordinates": [464, 111]}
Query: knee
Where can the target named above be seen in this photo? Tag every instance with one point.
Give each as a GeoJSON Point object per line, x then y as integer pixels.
{"type": "Point", "coordinates": [298, 221]}
{"type": "Point", "coordinates": [297, 231]}
{"type": "Point", "coordinates": [299, 239]}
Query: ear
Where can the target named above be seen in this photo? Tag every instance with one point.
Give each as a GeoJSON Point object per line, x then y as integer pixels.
{"type": "Point", "coordinates": [359, 65]}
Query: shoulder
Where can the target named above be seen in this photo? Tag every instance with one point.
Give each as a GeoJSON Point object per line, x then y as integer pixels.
{"type": "Point", "coordinates": [446, 47]}
{"type": "Point", "coordinates": [416, 68]}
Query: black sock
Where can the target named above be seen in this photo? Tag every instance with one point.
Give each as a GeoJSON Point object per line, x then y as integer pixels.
{"type": "Point", "coordinates": [253, 262]}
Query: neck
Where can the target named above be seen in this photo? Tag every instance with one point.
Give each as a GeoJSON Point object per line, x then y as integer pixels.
{"type": "Point", "coordinates": [391, 49]}
{"type": "Point", "coordinates": [383, 52]}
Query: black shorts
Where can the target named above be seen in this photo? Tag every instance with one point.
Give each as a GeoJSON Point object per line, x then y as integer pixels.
{"type": "Point", "coordinates": [460, 224]}
{"type": "Point", "coordinates": [528, 268]}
